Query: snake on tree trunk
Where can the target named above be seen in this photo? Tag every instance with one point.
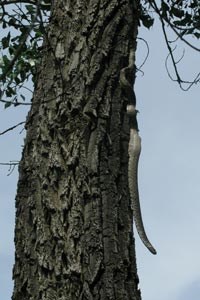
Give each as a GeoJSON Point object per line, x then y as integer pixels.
{"type": "Point", "coordinates": [134, 154]}
{"type": "Point", "coordinates": [134, 150]}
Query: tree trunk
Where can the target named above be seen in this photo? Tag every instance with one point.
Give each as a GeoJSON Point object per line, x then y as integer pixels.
{"type": "Point", "coordinates": [73, 233]}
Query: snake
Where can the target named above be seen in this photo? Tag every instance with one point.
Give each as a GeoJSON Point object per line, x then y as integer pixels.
{"type": "Point", "coordinates": [134, 150]}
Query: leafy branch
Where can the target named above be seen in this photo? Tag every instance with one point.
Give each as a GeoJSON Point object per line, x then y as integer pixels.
{"type": "Point", "coordinates": [20, 53]}
{"type": "Point", "coordinates": [183, 18]}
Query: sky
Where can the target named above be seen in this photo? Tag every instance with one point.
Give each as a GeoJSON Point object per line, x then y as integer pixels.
{"type": "Point", "coordinates": [169, 174]}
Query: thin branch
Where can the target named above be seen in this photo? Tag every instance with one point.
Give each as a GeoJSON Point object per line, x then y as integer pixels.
{"type": "Point", "coordinates": [26, 88]}
{"type": "Point", "coordinates": [166, 66]}
{"type": "Point", "coordinates": [191, 83]}
{"type": "Point", "coordinates": [155, 7]}
{"type": "Point", "coordinates": [9, 164]}
{"type": "Point", "coordinates": [11, 170]}
{"type": "Point", "coordinates": [179, 80]}
{"type": "Point", "coordinates": [14, 103]}
{"type": "Point", "coordinates": [181, 37]}
{"type": "Point", "coordinates": [147, 53]}
{"type": "Point", "coordinates": [195, 81]}
{"type": "Point", "coordinates": [16, 2]}
{"type": "Point", "coordinates": [20, 86]}
{"type": "Point", "coordinates": [178, 61]}
{"type": "Point", "coordinates": [170, 52]}
{"type": "Point", "coordinates": [11, 128]}
{"type": "Point", "coordinates": [12, 165]}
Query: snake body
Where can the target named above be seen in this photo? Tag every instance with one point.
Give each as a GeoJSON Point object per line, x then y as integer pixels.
{"type": "Point", "coordinates": [127, 81]}
{"type": "Point", "coordinates": [134, 154]}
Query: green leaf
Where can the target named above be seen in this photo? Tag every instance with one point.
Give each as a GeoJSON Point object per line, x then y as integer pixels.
{"type": "Point", "coordinates": [10, 92]}
{"type": "Point", "coordinates": [197, 35]}
{"type": "Point", "coordinates": [7, 104]}
{"type": "Point", "coordinates": [194, 4]}
{"type": "Point", "coordinates": [17, 80]}
{"type": "Point", "coordinates": [5, 41]}
{"type": "Point", "coordinates": [25, 65]}
{"type": "Point", "coordinates": [23, 98]}
{"type": "Point", "coordinates": [6, 60]}
{"type": "Point", "coordinates": [187, 20]}
{"type": "Point", "coordinates": [147, 21]}
{"type": "Point", "coordinates": [30, 8]}
{"type": "Point", "coordinates": [179, 13]}
{"type": "Point", "coordinates": [13, 22]}
{"type": "Point", "coordinates": [165, 9]}
{"type": "Point", "coordinates": [4, 24]}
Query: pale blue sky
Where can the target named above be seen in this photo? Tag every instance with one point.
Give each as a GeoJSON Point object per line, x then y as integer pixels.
{"type": "Point", "coordinates": [169, 175]}
{"type": "Point", "coordinates": [169, 123]}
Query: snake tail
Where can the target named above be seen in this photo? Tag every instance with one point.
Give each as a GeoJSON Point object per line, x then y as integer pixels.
{"type": "Point", "coordinates": [134, 154]}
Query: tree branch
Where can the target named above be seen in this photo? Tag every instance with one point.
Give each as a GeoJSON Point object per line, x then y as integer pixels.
{"type": "Point", "coordinates": [147, 55]}
{"type": "Point", "coordinates": [17, 1]}
{"type": "Point", "coordinates": [156, 9]}
{"type": "Point", "coordinates": [14, 103]}
{"type": "Point", "coordinates": [11, 165]}
{"type": "Point", "coordinates": [11, 128]}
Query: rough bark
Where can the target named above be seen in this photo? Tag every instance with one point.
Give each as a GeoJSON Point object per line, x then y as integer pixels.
{"type": "Point", "coordinates": [73, 233]}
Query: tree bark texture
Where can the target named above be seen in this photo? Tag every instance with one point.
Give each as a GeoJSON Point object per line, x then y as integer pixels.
{"type": "Point", "coordinates": [73, 235]}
